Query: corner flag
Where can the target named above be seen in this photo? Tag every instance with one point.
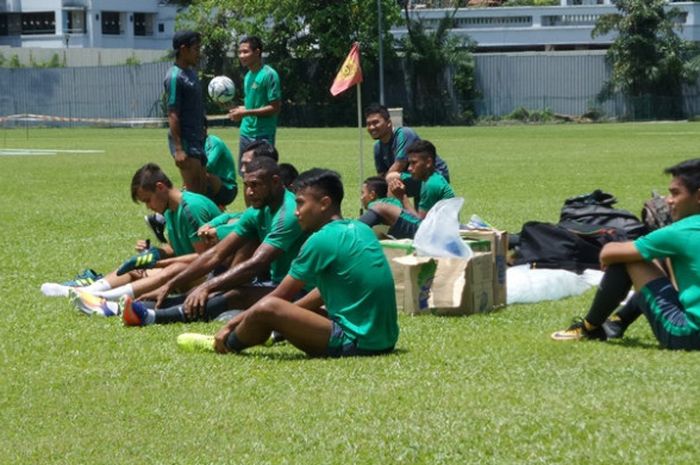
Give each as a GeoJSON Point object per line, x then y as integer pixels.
{"type": "Point", "coordinates": [350, 73]}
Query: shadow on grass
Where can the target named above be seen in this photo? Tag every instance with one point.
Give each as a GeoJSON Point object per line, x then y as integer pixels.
{"type": "Point", "coordinates": [298, 355]}
{"type": "Point", "coordinates": [634, 342]}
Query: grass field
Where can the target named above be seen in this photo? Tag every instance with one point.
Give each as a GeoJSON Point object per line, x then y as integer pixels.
{"type": "Point", "coordinates": [487, 389]}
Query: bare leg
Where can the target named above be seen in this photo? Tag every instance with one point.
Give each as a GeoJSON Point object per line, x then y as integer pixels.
{"type": "Point", "coordinates": [642, 273]}
{"type": "Point", "coordinates": [303, 328]}
{"type": "Point", "coordinates": [388, 213]}
{"type": "Point", "coordinates": [194, 175]}
{"type": "Point", "coordinates": [213, 183]}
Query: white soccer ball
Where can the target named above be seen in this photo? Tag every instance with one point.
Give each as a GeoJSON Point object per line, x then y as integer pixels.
{"type": "Point", "coordinates": [221, 89]}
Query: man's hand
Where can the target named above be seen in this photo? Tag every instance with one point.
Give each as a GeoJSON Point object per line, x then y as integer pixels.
{"type": "Point", "coordinates": [180, 157]}
{"type": "Point", "coordinates": [196, 302]}
{"type": "Point", "coordinates": [208, 235]}
{"type": "Point", "coordinates": [397, 188]}
{"type": "Point", "coordinates": [220, 340]}
{"type": "Point", "coordinates": [236, 114]}
{"type": "Point", "coordinates": [161, 294]}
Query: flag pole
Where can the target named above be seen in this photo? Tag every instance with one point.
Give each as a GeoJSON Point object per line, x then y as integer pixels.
{"type": "Point", "coordinates": [359, 130]}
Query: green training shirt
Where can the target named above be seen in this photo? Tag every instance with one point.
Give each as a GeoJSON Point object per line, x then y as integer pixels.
{"type": "Point", "coordinates": [434, 189]}
{"type": "Point", "coordinates": [261, 88]}
{"type": "Point", "coordinates": [278, 228]}
{"type": "Point", "coordinates": [220, 161]}
{"type": "Point", "coordinates": [182, 224]}
{"type": "Point", "coordinates": [397, 203]}
{"type": "Point", "coordinates": [345, 261]}
{"type": "Point", "coordinates": [679, 241]}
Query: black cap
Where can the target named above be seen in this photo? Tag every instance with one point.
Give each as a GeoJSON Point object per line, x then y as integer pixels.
{"type": "Point", "coordinates": [186, 38]}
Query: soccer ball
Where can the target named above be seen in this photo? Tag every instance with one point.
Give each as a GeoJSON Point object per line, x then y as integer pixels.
{"type": "Point", "coordinates": [221, 89]}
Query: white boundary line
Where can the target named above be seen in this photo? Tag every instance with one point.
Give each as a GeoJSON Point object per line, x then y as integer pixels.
{"type": "Point", "coordinates": [27, 152]}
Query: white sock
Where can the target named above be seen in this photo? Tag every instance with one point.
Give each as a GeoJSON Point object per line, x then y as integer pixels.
{"type": "Point", "coordinates": [97, 286]}
{"type": "Point", "coordinates": [116, 293]}
{"type": "Point", "coordinates": [150, 317]}
{"type": "Point", "coordinates": [54, 290]}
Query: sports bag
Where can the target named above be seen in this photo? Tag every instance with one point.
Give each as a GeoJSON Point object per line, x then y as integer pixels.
{"type": "Point", "coordinates": [656, 212]}
{"type": "Point", "coordinates": [597, 209]}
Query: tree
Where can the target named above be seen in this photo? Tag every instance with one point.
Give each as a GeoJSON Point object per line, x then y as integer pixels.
{"type": "Point", "coordinates": [440, 72]}
{"type": "Point", "coordinates": [305, 40]}
{"type": "Point", "coordinates": [650, 63]}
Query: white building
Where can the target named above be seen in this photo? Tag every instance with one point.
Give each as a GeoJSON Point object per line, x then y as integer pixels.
{"type": "Point", "coordinates": [123, 24]}
{"type": "Point", "coordinates": [567, 26]}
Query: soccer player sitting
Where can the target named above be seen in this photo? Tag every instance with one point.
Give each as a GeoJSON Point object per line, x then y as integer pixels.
{"type": "Point", "coordinates": [672, 312]}
{"type": "Point", "coordinates": [352, 310]}
{"type": "Point", "coordinates": [269, 223]}
{"type": "Point", "coordinates": [403, 220]}
{"type": "Point", "coordinates": [185, 212]}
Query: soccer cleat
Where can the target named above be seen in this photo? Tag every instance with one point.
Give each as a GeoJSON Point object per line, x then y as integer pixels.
{"type": "Point", "coordinates": [157, 224]}
{"type": "Point", "coordinates": [614, 327]}
{"type": "Point", "coordinates": [84, 278]}
{"type": "Point", "coordinates": [134, 313]}
{"type": "Point", "coordinates": [195, 342]}
{"type": "Point", "coordinates": [92, 304]}
{"type": "Point", "coordinates": [146, 259]}
{"type": "Point", "coordinates": [577, 331]}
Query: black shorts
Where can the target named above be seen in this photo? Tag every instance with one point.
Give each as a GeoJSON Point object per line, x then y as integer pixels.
{"type": "Point", "coordinates": [342, 345]}
{"type": "Point", "coordinates": [667, 317]}
{"type": "Point", "coordinates": [403, 229]}
{"type": "Point", "coordinates": [224, 197]}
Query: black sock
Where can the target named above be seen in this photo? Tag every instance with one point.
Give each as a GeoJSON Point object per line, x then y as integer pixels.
{"type": "Point", "coordinates": [631, 310]}
{"type": "Point", "coordinates": [370, 218]}
{"type": "Point", "coordinates": [174, 314]}
{"type": "Point", "coordinates": [216, 305]}
{"type": "Point", "coordinates": [613, 288]}
{"type": "Point", "coordinates": [233, 344]}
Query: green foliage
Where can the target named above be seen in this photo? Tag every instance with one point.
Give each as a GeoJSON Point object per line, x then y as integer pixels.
{"type": "Point", "coordinates": [485, 389]}
{"type": "Point", "coordinates": [14, 62]}
{"type": "Point", "coordinates": [133, 61]}
{"type": "Point", "coordinates": [524, 115]}
{"type": "Point", "coordinates": [305, 40]}
{"type": "Point", "coordinates": [647, 56]}
{"type": "Point", "coordinates": [433, 59]}
{"type": "Point", "coordinates": [2, 60]}
{"type": "Point", "coordinates": [530, 3]}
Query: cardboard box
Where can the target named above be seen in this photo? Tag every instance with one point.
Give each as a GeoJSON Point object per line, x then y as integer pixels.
{"type": "Point", "coordinates": [394, 249]}
{"type": "Point", "coordinates": [499, 248]}
{"type": "Point", "coordinates": [447, 286]}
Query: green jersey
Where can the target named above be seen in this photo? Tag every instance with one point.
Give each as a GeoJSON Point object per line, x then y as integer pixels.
{"type": "Point", "coordinates": [680, 242]}
{"type": "Point", "coordinates": [224, 223]}
{"type": "Point", "coordinates": [220, 161]}
{"type": "Point", "coordinates": [345, 261]}
{"type": "Point", "coordinates": [397, 203]}
{"type": "Point", "coordinates": [261, 87]}
{"type": "Point", "coordinates": [277, 228]}
{"type": "Point", "coordinates": [182, 224]}
{"type": "Point", "coordinates": [434, 189]}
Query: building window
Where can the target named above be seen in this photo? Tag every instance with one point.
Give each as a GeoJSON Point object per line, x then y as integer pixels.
{"type": "Point", "coordinates": [143, 24]}
{"type": "Point", "coordinates": [75, 21]}
{"type": "Point", "coordinates": [161, 27]}
{"type": "Point", "coordinates": [39, 23]}
{"type": "Point", "coordinates": [111, 23]}
{"type": "Point", "coordinates": [3, 25]}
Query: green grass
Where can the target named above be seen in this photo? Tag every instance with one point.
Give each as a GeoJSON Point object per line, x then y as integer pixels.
{"type": "Point", "coordinates": [486, 389]}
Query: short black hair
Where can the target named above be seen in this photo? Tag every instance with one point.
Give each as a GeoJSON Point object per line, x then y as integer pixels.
{"type": "Point", "coordinates": [374, 108]}
{"type": "Point", "coordinates": [688, 172]}
{"type": "Point", "coordinates": [424, 148]}
{"type": "Point", "coordinates": [146, 178]}
{"type": "Point", "coordinates": [267, 165]}
{"type": "Point", "coordinates": [254, 41]}
{"type": "Point", "coordinates": [288, 173]}
{"type": "Point", "coordinates": [262, 148]}
{"type": "Point", "coordinates": [378, 185]}
{"type": "Point", "coordinates": [324, 180]}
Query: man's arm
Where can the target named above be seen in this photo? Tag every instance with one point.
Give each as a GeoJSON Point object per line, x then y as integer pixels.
{"type": "Point", "coordinates": [239, 112]}
{"type": "Point", "coordinates": [619, 252]}
{"type": "Point", "coordinates": [264, 255]}
{"type": "Point", "coordinates": [204, 263]}
{"type": "Point", "coordinates": [398, 190]}
{"type": "Point", "coordinates": [399, 166]}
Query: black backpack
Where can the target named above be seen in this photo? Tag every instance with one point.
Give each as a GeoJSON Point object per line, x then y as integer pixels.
{"type": "Point", "coordinates": [570, 246]}
{"type": "Point", "coordinates": [597, 209]}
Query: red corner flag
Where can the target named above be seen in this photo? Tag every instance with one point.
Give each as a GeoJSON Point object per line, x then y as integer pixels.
{"type": "Point", "coordinates": [350, 73]}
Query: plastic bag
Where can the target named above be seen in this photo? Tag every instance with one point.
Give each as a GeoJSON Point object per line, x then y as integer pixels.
{"type": "Point", "coordinates": [438, 234]}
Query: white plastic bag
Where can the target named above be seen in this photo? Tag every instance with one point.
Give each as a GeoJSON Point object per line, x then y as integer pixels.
{"type": "Point", "coordinates": [438, 234]}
